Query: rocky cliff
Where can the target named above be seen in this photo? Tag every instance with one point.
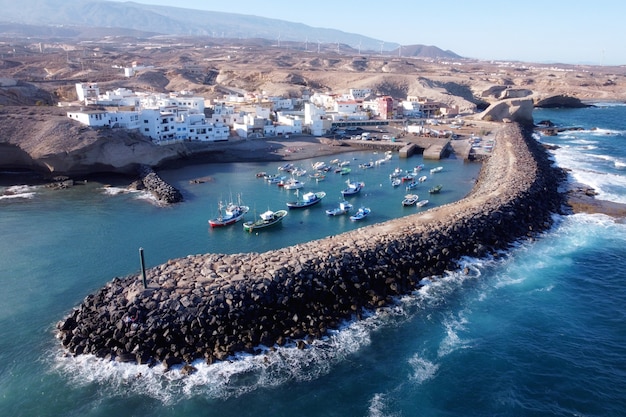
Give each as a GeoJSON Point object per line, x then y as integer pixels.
{"type": "Point", "coordinates": [43, 139]}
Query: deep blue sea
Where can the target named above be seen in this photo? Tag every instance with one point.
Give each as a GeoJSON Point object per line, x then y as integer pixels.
{"type": "Point", "coordinates": [541, 331]}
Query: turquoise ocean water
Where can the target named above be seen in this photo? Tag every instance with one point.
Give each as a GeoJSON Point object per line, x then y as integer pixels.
{"type": "Point", "coordinates": [539, 332]}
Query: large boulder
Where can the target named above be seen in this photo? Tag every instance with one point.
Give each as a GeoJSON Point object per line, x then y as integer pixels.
{"type": "Point", "coordinates": [560, 101]}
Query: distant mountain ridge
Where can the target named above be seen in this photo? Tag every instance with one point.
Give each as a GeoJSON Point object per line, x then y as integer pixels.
{"type": "Point", "coordinates": [64, 18]}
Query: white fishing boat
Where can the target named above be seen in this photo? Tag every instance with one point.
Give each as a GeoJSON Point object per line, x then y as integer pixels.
{"type": "Point", "coordinates": [319, 165]}
{"type": "Point", "coordinates": [308, 199]}
{"type": "Point", "coordinates": [228, 214]}
{"type": "Point", "coordinates": [435, 170]}
{"type": "Point", "coordinates": [397, 173]}
{"type": "Point", "coordinates": [409, 200]}
{"type": "Point", "coordinates": [293, 184]}
{"type": "Point", "coordinates": [267, 219]}
{"type": "Point", "coordinates": [360, 214]}
{"type": "Point", "coordinates": [343, 208]}
{"type": "Point", "coordinates": [353, 188]}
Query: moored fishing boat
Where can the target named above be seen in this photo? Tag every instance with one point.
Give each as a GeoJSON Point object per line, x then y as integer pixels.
{"type": "Point", "coordinates": [409, 200]}
{"type": "Point", "coordinates": [397, 173]}
{"type": "Point", "coordinates": [292, 184]}
{"type": "Point", "coordinates": [267, 219]}
{"type": "Point", "coordinates": [360, 214]}
{"type": "Point", "coordinates": [436, 189]}
{"type": "Point", "coordinates": [288, 167]}
{"type": "Point", "coordinates": [435, 170]}
{"type": "Point", "coordinates": [318, 176]}
{"type": "Point", "coordinates": [228, 214]}
{"type": "Point", "coordinates": [308, 199]}
{"type": "Point", "coordinates": [412, 185]}
{"type": "Point", "coordinates": [353, 188]}
{"type": "Point", "coordinates": [421, 203]}
{"type": "Point", "coordinates": [343, 208]}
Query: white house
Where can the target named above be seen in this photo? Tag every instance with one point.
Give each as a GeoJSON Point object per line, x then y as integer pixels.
{"type": "Point", "coordinates": [93, 118]}
{"type": "Point", "coordinates": [280, 103]}
{"type": "Point", "coordinates": [251, 126]}
{"type": "Point", "coordinates": [325, 101]}
{"type": "Point", "coordinates": [292, 123]}
{"type": "Point", "coordinates": [347, 106]}
{"type": "Point", "coordinates": [199, 129]}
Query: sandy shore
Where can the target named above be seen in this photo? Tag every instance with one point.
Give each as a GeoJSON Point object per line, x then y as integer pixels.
{"type": "Point", "coordinates": [264, 150]}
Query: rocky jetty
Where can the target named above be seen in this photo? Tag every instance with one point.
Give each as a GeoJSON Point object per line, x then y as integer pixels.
{"type": "Point", "coordinates": [155, 184]}
{"type": "Point", "coordinates": [213, 305]}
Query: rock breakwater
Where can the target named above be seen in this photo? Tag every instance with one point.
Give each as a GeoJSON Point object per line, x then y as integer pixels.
{"type": "Point", "coordinates": [213, 305]}
{"type": "Point", "coordinates": [162, 190]}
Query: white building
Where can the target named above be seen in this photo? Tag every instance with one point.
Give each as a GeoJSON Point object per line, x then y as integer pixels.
{"type": "Point", "coordinates": [348, 107]}
{"type": "Point", "coordinates": [92, 118]}
{"type": "Point", "coordinates": [251, 126]}
{"type": "Point", "coordinates": [164, 125]}
{"type": "Point", "coordinates": [87, 91]}
{"type": "Point", "coordinates": [280, 103]}
{"type": "Point", "coordinates": [360, 93]}
{"type": "Point", "coordinates": [315, 119]}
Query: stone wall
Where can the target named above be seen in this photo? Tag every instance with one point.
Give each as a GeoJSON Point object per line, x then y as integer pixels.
{"type": "Point", "coordinates": [213, 305]}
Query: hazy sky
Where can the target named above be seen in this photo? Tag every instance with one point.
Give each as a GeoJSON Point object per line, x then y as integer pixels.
{"type": "Point", "coordinates": [567, 31]}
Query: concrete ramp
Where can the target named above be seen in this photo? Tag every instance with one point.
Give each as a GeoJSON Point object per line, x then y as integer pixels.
{"type": "Point", "coordinates": [437, 150]}
{"type": "Point", "coordinates": [408, 150]}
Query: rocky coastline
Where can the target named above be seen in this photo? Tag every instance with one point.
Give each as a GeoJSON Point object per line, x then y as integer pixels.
{"type": "Point", "coordinates": [211, 306]}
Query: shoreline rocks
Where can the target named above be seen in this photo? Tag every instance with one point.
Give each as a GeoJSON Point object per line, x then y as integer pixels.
{"type": "Point", "coordinates": [213, 305]}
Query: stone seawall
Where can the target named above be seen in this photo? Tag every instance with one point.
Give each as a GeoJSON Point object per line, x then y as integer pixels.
{"type": "Point", "coordinates": [211, 306]}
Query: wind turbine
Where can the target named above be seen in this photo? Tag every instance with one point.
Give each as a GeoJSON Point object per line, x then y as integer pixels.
{"type": "Point", "coordinates": [381, 47]}
{"type": "Point", "coordinates": [318, 46]}
{"type": "Point", "coordinates": [360, 42]}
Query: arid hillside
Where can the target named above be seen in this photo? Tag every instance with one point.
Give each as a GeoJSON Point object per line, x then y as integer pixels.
{"type": "Point", "coordinates": [35, 77]}
{"type": "Point", "coordinates": [211, 69]}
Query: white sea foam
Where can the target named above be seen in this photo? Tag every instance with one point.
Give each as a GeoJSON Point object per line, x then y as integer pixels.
{"type": "Point", "coordinates": [605, 132]}
{"type": "Point", "coordinates": [234, 377]}
{"type": "Point", "coordinates": [109, 190]}
{"type": "Point", "coordinates": [378, 407]}
{"type": "Point", "coordinates": [610, 187]}
{"type": "Point", "coordinates": [246, 373]}
{"type": "Point", "coordinates": [453, 341]}
{"type": "Point", "coordinates": [18, 191]}
{"type": "Point", "coordinates": [423, 369]}
{"type": "Point", "coordinates": [137, 194]}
